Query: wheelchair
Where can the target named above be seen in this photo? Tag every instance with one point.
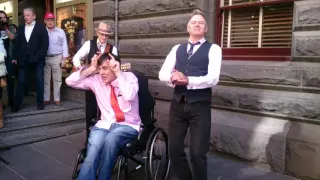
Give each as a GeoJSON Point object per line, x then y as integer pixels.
{"type": "Point", "coordinates": [151, 143]}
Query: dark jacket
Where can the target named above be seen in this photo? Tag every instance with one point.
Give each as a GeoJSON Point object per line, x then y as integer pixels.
{"type": "Point", "coordinates": [35, 49]}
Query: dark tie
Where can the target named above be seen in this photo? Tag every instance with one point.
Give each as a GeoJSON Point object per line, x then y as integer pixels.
{"type": "Point", "coordinates": [99, 48]}
{"type": "Point", "coordinates": [190, 52]}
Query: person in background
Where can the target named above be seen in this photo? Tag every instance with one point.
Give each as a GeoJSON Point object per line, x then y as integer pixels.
{"type": "Point", "coordinates": [98, 45]}
{"type": "Point", "coordinates": [30, 49]}
{"type": "Point", "coordinates": [3, 73]}
{"type": "Point", "coordinates": [192, 68]}
{"type": "Point", "coordinates": [55, 59]}
{"type": "Point", "coordinates": [8, 35]}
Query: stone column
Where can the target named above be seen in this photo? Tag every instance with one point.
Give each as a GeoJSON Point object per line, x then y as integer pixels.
{"type": "Point", "coordinates": [209, 9]}
{"type": "Point", "coordinates": [103, 11]}
{"type": "Point", "coordinates": [303, 144]}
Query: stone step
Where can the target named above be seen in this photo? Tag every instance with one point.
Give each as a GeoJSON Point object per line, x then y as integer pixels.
{"type": "Point", "coordinates": [24, 126]}
{"type": "Point", "coordinates": [29, 125]}
{"type": "Point", "coordinates": [44, 134]}
{"type": "Point", "coordinates": [31, 113]}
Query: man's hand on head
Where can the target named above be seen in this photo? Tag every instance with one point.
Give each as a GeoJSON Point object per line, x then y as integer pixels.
{"type": "Point", "coordinates": [114, 65]}
{"type": "Point", "coordinates": [94, 62]}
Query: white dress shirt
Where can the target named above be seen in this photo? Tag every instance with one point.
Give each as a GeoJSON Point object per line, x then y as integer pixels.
{"type": "Point", "coordinates": [84, 51]}
{"type": "Point", "coordinates": [195, 82]}
{"type": "Point", "coordinates": [28, 30]}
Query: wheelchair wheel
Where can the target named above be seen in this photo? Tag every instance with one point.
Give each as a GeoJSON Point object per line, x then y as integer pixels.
{"type": "Point", "coordinates": [79, 160]}
{"type": "Point", "coordinates": [157, 160]}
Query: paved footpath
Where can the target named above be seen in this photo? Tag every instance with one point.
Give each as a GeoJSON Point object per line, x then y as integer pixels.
{"type": "Point", "coordinates": [54, 159]}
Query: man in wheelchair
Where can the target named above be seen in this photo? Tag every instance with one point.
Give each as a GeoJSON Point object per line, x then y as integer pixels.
{"type": "Point", "coordinates": [117, 98]}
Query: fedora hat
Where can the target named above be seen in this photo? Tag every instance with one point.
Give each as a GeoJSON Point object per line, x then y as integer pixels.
{"type": "Point", "coordinates": [104, 28]}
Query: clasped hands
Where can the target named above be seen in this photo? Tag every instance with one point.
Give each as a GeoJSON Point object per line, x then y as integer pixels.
{"type": "Point", "coordinates": [178, 78]}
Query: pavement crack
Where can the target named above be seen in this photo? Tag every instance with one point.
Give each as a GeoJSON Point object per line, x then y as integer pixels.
{"type": "Point", "coordinates": [15, 172]}
{"type": "Point", "coordinates": [52, 158]}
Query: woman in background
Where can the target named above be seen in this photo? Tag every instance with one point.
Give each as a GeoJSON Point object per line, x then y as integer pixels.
{"type": "Point", "coordinates": [8, 35]}
{"type": "Point", "coordinates": [3, 73]}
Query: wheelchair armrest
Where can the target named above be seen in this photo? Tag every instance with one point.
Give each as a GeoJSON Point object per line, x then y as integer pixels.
{"type": "Point", "coordinates": [145, 132]}
{"type": "Point", "coordinates": [154, 95]}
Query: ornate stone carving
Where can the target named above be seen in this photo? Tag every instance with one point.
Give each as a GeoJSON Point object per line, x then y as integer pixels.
{"type": "Point", "coordinates": [224, 98]}
{"type": "Point", "coordinates": [153, 27]}
{"type": "Point", "coordinates": [308, 46]}
{"type": "Point", "coordinates": [146, 48]}
{"type": "Point", "coordinates": [259, 74]}
{"type": "Point", "coordinates": [311, 77]}
{"type": "Point", "coordinates": [103, 8]}
{"type": "Point", "coordinates": [294, 107]}
{"type": "Point", "coordinates": [149, 6]}
{"type": "Point", "coordinates": [309, 15]}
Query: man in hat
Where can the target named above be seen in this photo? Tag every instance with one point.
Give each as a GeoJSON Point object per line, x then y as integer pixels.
{"type": "Point", "coordinates": [98, 45]}
{"type": "Point", "coordinates": [55, 59]}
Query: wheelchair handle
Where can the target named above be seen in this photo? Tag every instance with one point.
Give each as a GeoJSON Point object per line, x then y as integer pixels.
{"type": "Point", "coordinates": [154, 103]}
{"type": "Point", "coordinates": [154, 95]}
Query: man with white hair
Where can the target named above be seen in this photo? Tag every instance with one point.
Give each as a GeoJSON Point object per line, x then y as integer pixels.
{"type": "Point", "coordinates": [30, 50]}
{"type": "Point", "coordinates": [192, 68]}
{"type": "Point", "coordinates": [55, 59]}
{"type": "Point", "coordinates": [98, 45]}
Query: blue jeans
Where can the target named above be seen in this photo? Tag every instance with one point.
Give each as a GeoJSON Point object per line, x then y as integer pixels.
{"type": "Point", "coordinates": [102, 151]}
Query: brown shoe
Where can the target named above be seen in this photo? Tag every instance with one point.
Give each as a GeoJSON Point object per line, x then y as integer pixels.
{"type": "Point", "coordinates": [58, 103]}
{"type": "Point", "coordinates": [46, 103]}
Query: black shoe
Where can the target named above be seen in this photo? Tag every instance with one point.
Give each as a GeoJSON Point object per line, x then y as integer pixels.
{"type": "Point", "coordinates": [15, 109]}
{"type": "Point", "coordinates": [40, 107]}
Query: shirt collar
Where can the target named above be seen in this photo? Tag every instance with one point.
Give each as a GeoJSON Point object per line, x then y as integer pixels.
{"type": "Point", "coordinates": [114, 83]}
{"type": "Point", "coordinates": [104, 44]}
{"type": "Point", "coordinates": [201, 40]}
{"type": "Point", "coordinates": [54, 29]}
{"type": "Point", "coordinates": [32, 24]}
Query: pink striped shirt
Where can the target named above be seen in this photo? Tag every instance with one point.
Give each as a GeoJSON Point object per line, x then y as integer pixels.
{"type": "Point", "coordinates": [126, 89]}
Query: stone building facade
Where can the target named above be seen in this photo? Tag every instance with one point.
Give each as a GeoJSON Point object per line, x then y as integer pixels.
{"type": "Point", "coordinates": [264, 112]}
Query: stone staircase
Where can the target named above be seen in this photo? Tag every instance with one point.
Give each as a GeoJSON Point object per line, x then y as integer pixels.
{"type": "Point", "coordinates": [30, 125]}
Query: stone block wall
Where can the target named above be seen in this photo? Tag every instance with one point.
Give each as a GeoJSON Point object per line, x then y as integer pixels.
{"type": "Point", "coordinates": [263, 112]}
{"type": "Point", "coordinates": [303, 144]}
{"type": "Point", "coordinates": [148, 29]}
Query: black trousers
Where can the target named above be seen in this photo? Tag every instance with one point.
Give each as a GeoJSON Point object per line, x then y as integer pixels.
{"type": "Point", "coordinates": [196, 117]}
{"type": "Point", "coordinates": [23, 77]}
{"type": "Point", "coordinates": [91, 110]}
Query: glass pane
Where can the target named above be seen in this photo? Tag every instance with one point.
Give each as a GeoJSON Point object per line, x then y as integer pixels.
{"type": "Point", "coordinates": [226, 2]}
{"type": "Point", "coordinates": [63, 1]}
{"type": "Point", "coordinates": [277, 25]}
{"type": "Point", "coordinates": [238, 2]}
{"type": "Point", "coordinates": [6, 7]}
{"type": "Point", "coordinates": [225, 29]}
{"type": "Point", "coordinates": [72, 19]}
{"type": "Point", "coordinates": [244, 27]}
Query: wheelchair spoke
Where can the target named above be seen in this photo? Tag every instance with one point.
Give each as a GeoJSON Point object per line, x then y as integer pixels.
{"type": "Point", "coordinates": [158, 159]}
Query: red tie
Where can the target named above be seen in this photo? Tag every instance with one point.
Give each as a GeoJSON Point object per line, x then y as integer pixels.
{"type": "Point", "coordinates": [115, 106]}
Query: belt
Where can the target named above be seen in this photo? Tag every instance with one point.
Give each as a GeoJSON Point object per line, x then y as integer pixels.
{"type": "Point", "coordinates": [52, 55]}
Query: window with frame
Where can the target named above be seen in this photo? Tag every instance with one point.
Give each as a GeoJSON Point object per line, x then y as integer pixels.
{"type": "Point", "coordinates": [255, 29]}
